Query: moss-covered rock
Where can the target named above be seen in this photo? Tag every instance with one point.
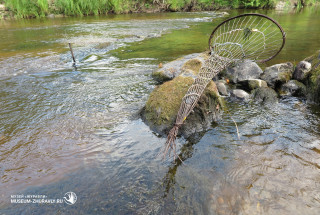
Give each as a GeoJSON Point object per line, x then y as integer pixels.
{"type": "Point", "coordinates": [256, 83]}
{"type": "Point", "coordinates": [293, 88]}
{"type": "Point", "coordinates": [313, 78]}
{"type": "Point", "coordinates": [164, 102]}
{"type": "Point", "coordinates": [278, 74]}
{"type": "Point", "coordinates": [301, 71]}
{"type": "Point", "coordinates": [194, 65]}
{"type": "Point", "coordinates": [252, 84]}
{"type": "Point", "coordinates": [188, 65]}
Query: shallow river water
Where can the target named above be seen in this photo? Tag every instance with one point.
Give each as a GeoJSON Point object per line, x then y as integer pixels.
{"type": "Point", "coordinates": [64, 129]}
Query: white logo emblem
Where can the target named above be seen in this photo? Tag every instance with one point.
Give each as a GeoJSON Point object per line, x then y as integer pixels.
{"type": "Point", "coordinates": [70, 198]}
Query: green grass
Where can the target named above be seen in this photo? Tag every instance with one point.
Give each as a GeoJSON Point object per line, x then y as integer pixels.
{"type": "Point", "coordinates": [90, 7]}
{"type": "Point", "coordinates": [28, 8]}
{"type": "Point", "coordinates": [82, 7]}
{"type": "Point", "coordinates": [40, 8]}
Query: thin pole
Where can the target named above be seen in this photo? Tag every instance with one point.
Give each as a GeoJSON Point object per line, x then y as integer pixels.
{"type": "Point", "coordinates": [74, 60]}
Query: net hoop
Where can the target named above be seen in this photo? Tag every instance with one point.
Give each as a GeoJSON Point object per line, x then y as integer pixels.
{"type": "Point", "coordinates": [253, 14]}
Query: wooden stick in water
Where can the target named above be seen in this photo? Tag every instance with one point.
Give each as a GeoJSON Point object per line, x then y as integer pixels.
{"type": "Point", "coordinates": [74, 60]}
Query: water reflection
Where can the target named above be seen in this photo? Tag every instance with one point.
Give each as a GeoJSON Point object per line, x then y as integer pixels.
{"type": "Point", "coordinates": [267, 171]}
{"type": "Point", "coordinates": [169, 179]}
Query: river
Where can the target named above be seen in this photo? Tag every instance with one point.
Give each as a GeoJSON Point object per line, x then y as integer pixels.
{"type": "Point", "coordinates": [64, 129]}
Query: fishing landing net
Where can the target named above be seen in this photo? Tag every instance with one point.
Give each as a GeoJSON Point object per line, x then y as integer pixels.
{"type": "Point", "coordinates": [249, 36]}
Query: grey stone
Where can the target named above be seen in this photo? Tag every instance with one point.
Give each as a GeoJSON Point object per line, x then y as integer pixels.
{"type": "Point", "coordinates": [243, 71]}
{"type": "Point", "coordinates": [293, 88]}
{"type": "Point", "coordinates": [222, 88]}
{"type": "Point", "coordinates": [51, 16]}
{"type": "Point", "coordinates": [256, 83]}
{"type": "Point", "coordinates": [252, 84]}
{"type": "Point", "coordinates": [278, 74]}
{"type": "Point", "coordinates": [264, 95]}
{"type": "Point", "coordinates": [224, 13]}
{"type": "Point", "coordinates": [189, 63]}
{"type": "Point", "coordinates": [284, 5]}
{"type": "Point", "coordinates": [240, 94]}
{"type": "Point", "coordinates": [301, 70]}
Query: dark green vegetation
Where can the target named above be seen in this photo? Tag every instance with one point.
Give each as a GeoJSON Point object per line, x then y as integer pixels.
{"type": "Point", "coordinates": [40, 8]}
{"type": "Point", "coordinates": [313, 80]}
{"type": "Point", "coordinates": [28, 8]}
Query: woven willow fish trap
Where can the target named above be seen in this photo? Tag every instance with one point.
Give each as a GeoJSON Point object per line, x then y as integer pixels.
{"type": "Point", "coordinates": [255, 37]}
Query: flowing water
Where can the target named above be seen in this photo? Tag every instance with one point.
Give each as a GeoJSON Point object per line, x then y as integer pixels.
{"type": "Point", "coordinates": [64, 130]}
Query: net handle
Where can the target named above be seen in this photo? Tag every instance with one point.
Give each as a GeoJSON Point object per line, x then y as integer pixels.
{"type": "Point", "coordinates": [254, 14]}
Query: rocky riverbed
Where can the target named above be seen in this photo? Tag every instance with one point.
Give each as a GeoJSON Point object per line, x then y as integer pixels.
{"type": "Point", "coordinates": [244, 81]}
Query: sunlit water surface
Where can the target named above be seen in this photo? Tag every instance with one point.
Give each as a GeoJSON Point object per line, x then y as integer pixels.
{"type": "Point", "coordinates": [64, 130]}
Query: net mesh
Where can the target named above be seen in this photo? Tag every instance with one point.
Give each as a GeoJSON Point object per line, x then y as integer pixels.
{"type": "Point", "coordinates": [249, 36]}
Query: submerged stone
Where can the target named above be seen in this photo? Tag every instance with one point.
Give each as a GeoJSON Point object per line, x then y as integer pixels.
{"type": "Point", "coordinates": [264, 95]}
{"type": "Point", "coordinates": [240, 94]}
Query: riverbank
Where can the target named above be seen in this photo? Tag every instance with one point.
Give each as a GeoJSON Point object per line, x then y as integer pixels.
{"type": "Point", "coordinates": [10, 9]}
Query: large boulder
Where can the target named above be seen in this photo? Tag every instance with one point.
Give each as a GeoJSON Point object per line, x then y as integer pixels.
{"type": "Point", "coordinates": [164, 102]}
{"type": "Point", "coordinates": [313, 78]}
{"type": "Point", "coordinates": [242, 71]}
{"type": "Point", "coordinates": [264, 95]}
{"type": "Point", "coordinates": [188, 65]}
{"type": "Point", "coordinates": [302, 70]}
{"type": "Point", "coordinates": [278, 74]}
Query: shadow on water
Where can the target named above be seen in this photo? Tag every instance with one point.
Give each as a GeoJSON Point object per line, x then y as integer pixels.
{"type": "Point", "coordinates": [169, 180]}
